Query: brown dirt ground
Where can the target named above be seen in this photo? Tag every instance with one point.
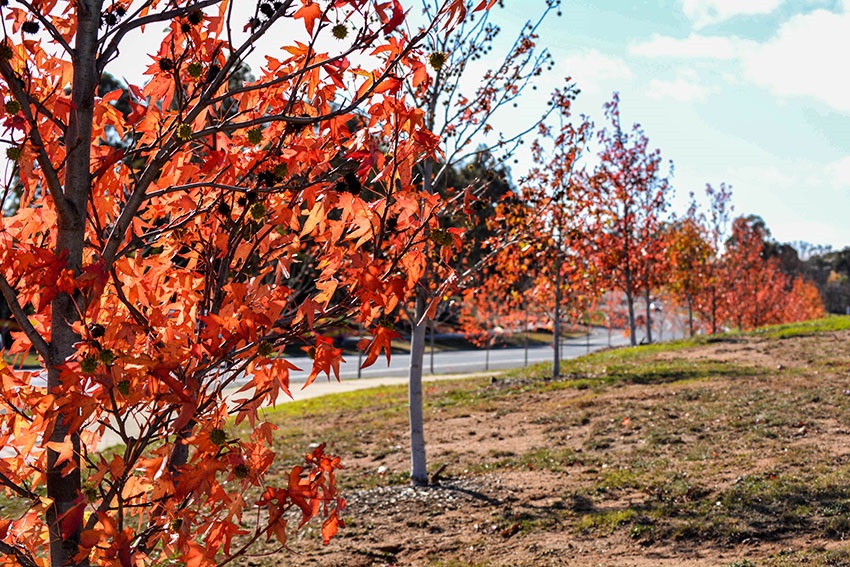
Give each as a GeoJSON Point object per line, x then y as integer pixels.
{"type": "Point", "coordinates": [747, 464]}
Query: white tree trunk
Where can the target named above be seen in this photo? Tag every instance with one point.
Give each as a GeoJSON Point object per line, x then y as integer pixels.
{"type": "Point", "coordinates": [556, 324]}
{"type": "Point", "coordinates": [630, 301]}
{"type": "Point", "coordinates": [418, 467]}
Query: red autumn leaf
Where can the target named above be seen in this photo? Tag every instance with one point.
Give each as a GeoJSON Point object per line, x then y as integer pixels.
{"type": "Point", "coordinates": [65, 450]}
{"type": "Point", "coordinates": [72, 519]}
{"type": "Point", "coordinates": [326, 359]}
{"type": "Point", "coordinates": [302, 494]}
{"type": "Point", "coordinates": [395, 20]}
{"type": "Point", "coordinates": [310, 12]}
{"type": "Point", "coordinates": [331, 526]}
{"type": "Point", "coordinates": [381, 342]}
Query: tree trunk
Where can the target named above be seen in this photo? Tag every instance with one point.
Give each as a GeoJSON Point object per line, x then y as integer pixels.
{"type": "Point", "coordinates": [64, 490]}
{"type": "Point", "coordinates": [556, 339]}
{"type": "Point", "coordinates": [713, 312]}
{"type": "Point", "coordinates": [630, 302]}
{"type": "Point", "coordinates": [432, 347]}
{"type": "Point", "coordinates": [525, 339]}
{"type": "Point", "coordinates": [648, 316]}
{"type": "Point", "coordinates": [691, 316]}
{"type": "Point", "coordinates": [418, 467]}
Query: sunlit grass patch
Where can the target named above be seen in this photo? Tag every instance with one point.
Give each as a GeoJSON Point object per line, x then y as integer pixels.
{"type": "Point", "coordinates": [827, 324]}
{"type": "Point", "coordinates": [605, 520]}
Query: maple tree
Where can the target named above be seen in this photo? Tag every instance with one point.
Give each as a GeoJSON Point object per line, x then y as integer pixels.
{"type": "Point", "coordinates": [630, 197]}
{"type": "Point", "coordinates": [459, 106]}
{"type": "Point", "coordinates": [554, 230]}
{"type": "Point", "coordinates": [710, 302]}
{"type": "Point", "coordinates": [172, 237]}
{"type": "Point", "coordinates": [804, 301]}
{"type": "Point", "coordinates": [757, 291]}
{"type": "Point", "coordinates": [688, 253]}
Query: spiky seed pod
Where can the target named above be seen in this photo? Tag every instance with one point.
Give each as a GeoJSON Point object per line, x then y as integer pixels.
{"type": "Point", "coordinates": [352, 183]}
{"type": "Point", "coordinates": [195, 69]}
{"type": "Point", "coordinates": [88, 364]}
{"type": "Point", "coordinates": [166, 65]}
{"type": "Point", "coordinates": [218, 436]}
{"type": "Point", "coordinates": [184, 132]}
{"type": "Point", "coordinates": [340, 31]}
{"type": "Point", "coordinates": [255, 135]}
{"type": "Point", "coordinates": [437, 60]}
{"type": "Point", "coordinates": [195, 17]}
{"type": "Point", "coordinates": [267, 9]}
{"type": "Point", "coordinates": [107, 356]}
{"type": "Point", "coordinates": [265, 349]}
{"type": "Point", "coordinates": [257, 211]}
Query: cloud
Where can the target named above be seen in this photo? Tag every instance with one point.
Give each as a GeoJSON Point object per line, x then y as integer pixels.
{"type": "Point", "coordinates": [694, 46]}
{"type": "Point", "coordinates": [681, 89]}
{"type": "Point", "coordinates": [802, 59]}
{"type": "Point", "coordinates": [839, 172]}
{"type": "Point", "coordinates": [707, 12]}
{"type": "Point", "coordinates": [595, 72]}
{"type": "Point", "coordinates": [790, 196]}
{"type": "Point", "coordinates": [805, 58]}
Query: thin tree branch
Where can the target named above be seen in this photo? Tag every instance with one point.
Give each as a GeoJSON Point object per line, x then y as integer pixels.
{"type": "Point", "coordinates": [11, 297]}
{"type": "Point", "coordinates": [18, 489]}
{"type": "Point", "coordinates": [133, 22]}
{"type": "Point", "coordinates": [48, 25]}
{"type": "Point", "coordinates": [51, 176]}
{"type": "Point", "coordinates": [22, 556]}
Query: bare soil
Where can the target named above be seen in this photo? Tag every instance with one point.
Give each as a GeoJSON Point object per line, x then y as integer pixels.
{"type": "Point", "coordinates": [734, 452]}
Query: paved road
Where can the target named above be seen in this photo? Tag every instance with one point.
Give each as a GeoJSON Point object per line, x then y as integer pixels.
{"type": "Point", "coordinates": [459, 362]}
{"type": "Point", "coordinates": [447, 365]}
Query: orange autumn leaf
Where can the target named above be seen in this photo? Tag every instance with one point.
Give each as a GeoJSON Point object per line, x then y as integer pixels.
{"type": "Point", "coordinates": [326, 359]}
{"type": "Point", "coordinates": [381, 342]}
{"type": "Point", "coordinates": [331, 526]}
{"type": "Point", "coordinates": [218, 217]}
{"type": "Point", "coordinates": [310, 12]}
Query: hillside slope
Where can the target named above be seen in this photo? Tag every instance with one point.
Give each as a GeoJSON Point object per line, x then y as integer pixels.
{"type": "Point", "coordinates": [732, 450]}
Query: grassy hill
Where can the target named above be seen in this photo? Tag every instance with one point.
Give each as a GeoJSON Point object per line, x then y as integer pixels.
{"type": "Point", "coordinates": [725, 450]}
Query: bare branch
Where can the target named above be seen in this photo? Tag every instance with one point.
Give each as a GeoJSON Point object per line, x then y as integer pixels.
{"type": "Point", "coordinates": [51, 176]}
{"type": "Point", "coordinates": [48, 25]}
{"type": "Point", "coordinates": [133, 22]}
{"type": "Point", "coordinates": [11, 297]}
{"type": "Point", "coordinates": [18, 489]}
{"type": "Point", "coordinates": [21, 555]}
